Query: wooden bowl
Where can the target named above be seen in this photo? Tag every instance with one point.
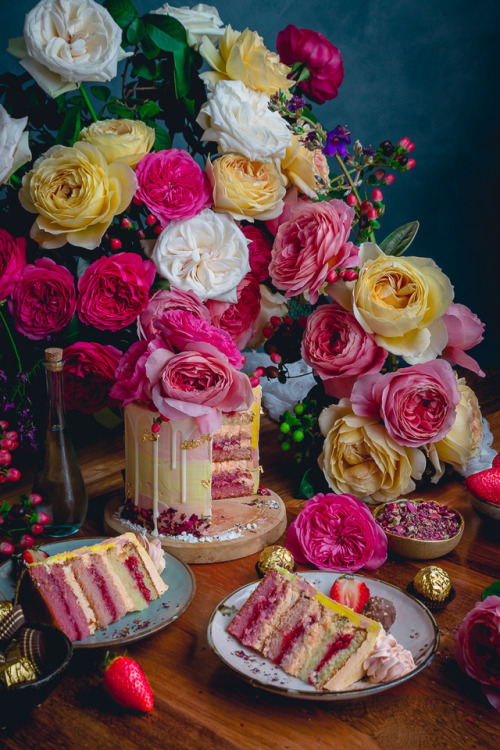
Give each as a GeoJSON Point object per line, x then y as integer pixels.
{"type": "Point", "coordinates": [420, 549]}
{"type": "Point", "coordinates": [486, 509]}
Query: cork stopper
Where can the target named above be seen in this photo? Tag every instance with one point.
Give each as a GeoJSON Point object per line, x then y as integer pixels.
{"type": "Point", "coordinates": [54, 358]}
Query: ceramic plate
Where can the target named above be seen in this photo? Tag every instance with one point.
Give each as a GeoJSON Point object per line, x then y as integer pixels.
{"type": "Point", "coordinates": [161, 612]}
{"type": "Point", "coordinates": [414, 628]}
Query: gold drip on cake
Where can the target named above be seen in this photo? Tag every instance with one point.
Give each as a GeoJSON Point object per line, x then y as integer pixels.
{"type": "Point", "coordinates": [188, 445]}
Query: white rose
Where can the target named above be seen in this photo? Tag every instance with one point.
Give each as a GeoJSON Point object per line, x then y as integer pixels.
{"type": "Point", "coordinates": [14, 148]}
{"type": "Point", "coordinates": [240, 121]}
{"type": "Point", "coordinates": [270, 304]}
{"type": "Point", "coordinates": [199, 21]}
{"type": "Point", "coordinates": [207, 254]}
{"type": "Point", "coordinates": [67, 42]}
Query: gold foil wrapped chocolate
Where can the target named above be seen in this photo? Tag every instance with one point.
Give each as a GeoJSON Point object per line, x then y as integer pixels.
{"type": "Point", "coordinates": [18, 671]}
{"type": "Point", "coordinates": [433, 585]}
{"type": "Point", "coordinates": [5, 608]}
{"type": "Point", "coordinates": [273, 556]}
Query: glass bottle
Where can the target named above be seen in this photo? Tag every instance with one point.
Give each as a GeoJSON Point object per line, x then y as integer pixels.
{"type": "Point", "coordinates": [59, 479]}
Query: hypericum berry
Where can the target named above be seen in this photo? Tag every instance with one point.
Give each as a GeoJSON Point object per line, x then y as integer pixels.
{"type": "Point", "coordinates": [3, 424]}
{"type": "Point", "coordinates": [302, 321]}
{"type": "Point", "coordinates": [26, 541]}
{"type": "Point", "coordinates": [5, 457]}
{"type": "Point", "coordinates": [410, 164]}
{"type": "Point", "coordinates": [276, 358]}
{"type": "Point", "coordinates": [389, 179]}
{"type": "Point", "coordinates": [35, 499]}
{"type": "Point", "coordinates": [404, 143]}
{"type": "Point", "coordinates": [151, 220]}
{"type": "Point", "coordinates": [403, 160]}
{"type": "Point", "coordinates": [137, 201]}
{"type": "Point", "coordinates": [285, 428]}
{"type": "Point", "coordinates": [410, 148]}
{"type": "Point", "coordinates": [365, 207]}
{"type": "Point", "coordinates": [3, 478]}
{"type": "Point", "coordinates": [363, 222]}
{"type": "Point", "coordinates": [379, 174]}
{"type": "Point", "coordinates": [272, 372]}
{"type": "Point", "coordinates": [157, 229]}
{"type": "Point", "coordinates": [298, 409]}
{"type": "Point", "coordinates": [37, 528]}
{"type": "Point", "coordinates": [332, 276]}
{"type": "Point", "coordinates": [285, 445]}
{"type": "Point", "coordinates": [275, 321]}
{"type": "Point", "coordinates": [13, 475]}
{"type": "Point", "coordinates": [351, 274]}
{"type": "Point", "coordinates": [140, 234]}
{"type": "Point", "coordinates": [155, 428]}
{"type": "Point", "coordinates": [377, 196]}
{"type": "Point", "coordinates": [287, 320]}
{"type": "Point", "coordinates": [259, 372]}
{"type": "Point", "coordinates": [6, 443]}
{"type": "Point", "coordinates": [298, 436]}
{"type": "Point", "coordinates": [387, 148]}
{"type": "Point", "coordinates": [116, 243]}
{"type": "Point", "coordinates": [372, 214]}
{"type": "Point", "coordinates": [342, 273]}
{"type": "Point", "coordinates": [267, 331]}
{"type": "Point", "coordinates": [43, 518]}
{"type": "Point", "coordinates": [126, 223]}
{"type": "Point", "coordinates": [351, 200]}
{"type": "Point", "coordinates": [254, 382]}
{"type": "Point", "coordinates": [6, 548]}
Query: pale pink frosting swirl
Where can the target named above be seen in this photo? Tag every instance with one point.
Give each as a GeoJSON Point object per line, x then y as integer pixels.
{"type": "Point", "coordinates": [388, 660]}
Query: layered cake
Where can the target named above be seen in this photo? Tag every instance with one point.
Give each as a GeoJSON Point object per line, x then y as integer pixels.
{"type": "Point", "coordinates": [172, 471]}
{"type": "Point", "coordinates": [306, 633]}
{"type": "Point", "coordinates": [91, 587]}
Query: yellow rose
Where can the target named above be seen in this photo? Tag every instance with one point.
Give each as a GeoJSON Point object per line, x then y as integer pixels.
{"type": "Point", "coordinates": [123, 140]}
{"type": "Point", "coordinates": [304, 169]}
{"type": "Point", "coordinates": [401, 301]}
{"type": "Point", "coordinates": [361, 459]}
{"type": "Point", "coordinates": [242, 56]}
{"type": "Point", "coordinates": [463, 441]}
{"type": "Point", "coordinates": [246, 189]}
{"type": "Point", "coordinates": [76, 194]}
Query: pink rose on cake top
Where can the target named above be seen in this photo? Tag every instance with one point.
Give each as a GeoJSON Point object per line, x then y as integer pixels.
{"type": "Point", "coordinates": [164, 300]}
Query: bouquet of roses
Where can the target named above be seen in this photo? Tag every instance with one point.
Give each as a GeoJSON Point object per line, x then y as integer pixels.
{"type": "Point", "coordinates": [261, 225]}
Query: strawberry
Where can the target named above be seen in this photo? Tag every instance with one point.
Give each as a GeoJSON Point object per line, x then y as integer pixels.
{"type": "Point", "coordinates": [485, 485]}
{"type": "Point", "coordinates": [351, 593]}
{"type": "Point", "coordinates": [127, 684]}
{"type": "Point", "coordinates": [496, 462]}
{"type": "Point", "coordinates": [33, 555]}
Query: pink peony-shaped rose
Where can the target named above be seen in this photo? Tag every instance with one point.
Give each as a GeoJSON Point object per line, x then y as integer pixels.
{"type": "Point", "coordinates": [239, 319]}
{"type": "Point", "coordinates": [131, 383]}
{"type": "Point", "coordinates": [323, 59]}
{"type": "Point", "coordinates": [180, 328]}
{"type": "Point", "coordinates": [12, 262]}
{"type": "Point", "coordinates": [44, 300]}
{"type": "Point", "coordinates": [417, 404]}
{"type": "Point", "coordinates": [198, 382]}
{"type": "Point", "coordinates": [164, 300]}
{"type": "Point", "coordinates": [259, 251]}
{"type": "Point", "coordinates": [339, 350]}
{"type": "Point", "coordinates": [89, 373]}
{"type": "Point", "coordinates": [477, 647]}
{"type": "Point", "coordinates": [337, 532]}
{"type": "Point", "coordinates": [309, 245]}
{"type": "Point", "coordinates": [114, 291]}
{"type": "Point", "coordinates": [465, 331]}
{"type": "Point", "coordinates": [292, 202]}
{"type": "Point", "coordinates": [172, 185]}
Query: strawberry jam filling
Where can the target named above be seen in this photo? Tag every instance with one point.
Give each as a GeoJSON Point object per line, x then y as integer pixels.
{"type": "Point", "coordinates": [290, 638]}
{"type": "Point", "coordinates": [133, 568]}
{"type": "Point", "coordinates": [103, 588]}
{"type": "Point", "coordinates": [339, 644]}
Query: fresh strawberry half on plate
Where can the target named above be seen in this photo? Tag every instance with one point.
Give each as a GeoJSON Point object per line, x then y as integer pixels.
{"type": "Point", "coordinates": [351, 593]}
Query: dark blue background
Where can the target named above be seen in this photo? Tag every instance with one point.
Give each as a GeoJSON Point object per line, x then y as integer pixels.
{"type": "Point", "coordinates": [427, 70]}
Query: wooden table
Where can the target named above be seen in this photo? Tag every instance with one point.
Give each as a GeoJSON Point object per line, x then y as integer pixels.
{"type": "Point", "coordinates": [199, 703]}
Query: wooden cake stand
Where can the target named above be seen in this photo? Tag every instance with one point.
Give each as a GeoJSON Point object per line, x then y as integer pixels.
{"type": "Point", "coordinates": [259, 520]}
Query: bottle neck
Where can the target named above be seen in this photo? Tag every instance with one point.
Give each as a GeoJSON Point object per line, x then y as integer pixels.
{"type": "Point", "coordinates": [55, 391]}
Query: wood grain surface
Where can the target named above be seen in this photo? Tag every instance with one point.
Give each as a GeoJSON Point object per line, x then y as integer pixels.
{"type": "Point", "coordinates": [199, 703]}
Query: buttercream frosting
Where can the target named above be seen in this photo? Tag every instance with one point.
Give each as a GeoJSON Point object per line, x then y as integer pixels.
{"type": "Point", "coordinates": [388, 660]}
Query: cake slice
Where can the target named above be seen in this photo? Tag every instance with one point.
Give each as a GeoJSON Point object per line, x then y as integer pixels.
{"type": "Point", "coordinates": [303, 631]}
{"type": "Point", "coordinates": [90, 587]}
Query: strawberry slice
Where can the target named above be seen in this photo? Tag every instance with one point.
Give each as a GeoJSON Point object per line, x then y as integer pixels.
{"type": "Point", "coordinates": [485, 485]}
{"type": "Point", "coordinates": [32, 555]}
{"type": "Point", "coordinates": [351, 593]}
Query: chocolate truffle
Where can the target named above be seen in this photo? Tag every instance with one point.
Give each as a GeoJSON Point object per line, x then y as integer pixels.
{"type": "Point", "coordinates": [380, 609]}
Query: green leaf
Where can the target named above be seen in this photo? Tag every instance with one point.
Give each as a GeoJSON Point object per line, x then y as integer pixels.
{"type": "Point", "coordinates": [160, 283]}
{"type": "Point", "coordinates": [306, 488]}
{"type": "Point", "coordinates": [123, 11]}
{"type": "Point", "coordinates": [163, 140]}
{"type": "Point", "coordinates": [150, 49]}
{"type": "Point", "coordinates": [493, 590]}
{"type": "Point", "coordinates": [190, 106]}
{"type": "Point", "coordinates": [70, 128]}
{"type": "Point", "coordinates": [101, 92]}
{"type": "Point", "coordinates": [182, 72]}
{"type": "Point", "coordinates": [164, 32]}
{"type": "Point", "coordinates": [116, 108]}
{"type": "Point", "coordinates": [144, 68]}
{"type": "Point", "coordinates": [148, 109]}
{"type": "Point", "coordinates": [136, 31]}
{"type": "Point", "coordinates": [399, 240]}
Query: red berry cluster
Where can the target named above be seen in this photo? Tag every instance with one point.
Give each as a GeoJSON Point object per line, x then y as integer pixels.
{"type": "Point", "coordinates": [19, 519]}
{"type": "Point", "coordinates": [8, 443]}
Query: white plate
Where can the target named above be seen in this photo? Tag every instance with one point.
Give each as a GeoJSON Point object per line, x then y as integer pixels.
{"type": "Point", "coordinates": [414, 628]}
{"type": "Point", "coordinates": [135, 625]}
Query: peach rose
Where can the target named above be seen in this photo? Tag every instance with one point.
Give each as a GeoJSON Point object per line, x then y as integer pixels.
{"type": "Point", "coordinates": [76, 194]}
{"type": "Point", "coordinates": [360, 458]}
{"type": "Point", "coordinates": [304, 169]}
{"type": "Point", "coordinates": [246, 189]}
{"type": "Point", "coordinates": [124, 140]}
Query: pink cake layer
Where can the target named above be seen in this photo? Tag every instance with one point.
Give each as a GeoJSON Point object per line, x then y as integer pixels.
{"type": "Point", "coordinates": [92, 575]}
{"type": "Point", "coordinates": [62, 601]}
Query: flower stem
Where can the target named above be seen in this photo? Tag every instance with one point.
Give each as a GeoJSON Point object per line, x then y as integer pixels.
{"type": "Point", "coordinates": [19, 364]}
{"type": "Point", "coordinates": [15, 180]}
{"type": "Point", "coordinates": [353, 186]}
{"type": "Point", "coordinates": [87, 102]}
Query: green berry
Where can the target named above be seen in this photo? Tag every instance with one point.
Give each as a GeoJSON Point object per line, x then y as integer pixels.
{"type": "Point", "coordinates": [298, 436]}
{"type": "Point", "coordinates": [285, 445]}
{"type": "Point", "coordinates": [298, 408]}
{"type": "Point", "coordinates": [285, 427]}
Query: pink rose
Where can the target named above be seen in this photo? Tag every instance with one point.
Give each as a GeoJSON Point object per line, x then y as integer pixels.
{"type": "Point", "coordinates": [198, 382]}
{"type": "Point", "coordinates": [337, 532]}
{"type": "Point", "coordinates": [114, 291]}
{"type": "Point", "coordinates": [131, 384]}
{"type": "Point", "coordinates": [465, 330]}
{"type": "Point", "coordinates": [239, 319]}
{"type": "Point", "coordinates": [259, 250]}
{"type": "Point", "coordinates": [162, 301]}
{"type": "Point", "coordinates": [12, 262]}
{"type": "Point", "coordinates": [180, 328]}
{"type": "Point", "coordinates": [172, 185]}
{"type": "Point", "coordinates": [309, 245]}
{"type": "Point", "coordinates": [322, 58]}
{"type": "Point", "coordinates": [44, 300]}
{"type": "Point", "coordinates": [477, 647]}
{"type": "Point", "coordinates": [292, 202]}
{"type": "Point", "coordinates": [89, 373]}
{"type": "Point", "coordinates": [339, 350]}
{"type": "Point", "coordinates": [417, 404]}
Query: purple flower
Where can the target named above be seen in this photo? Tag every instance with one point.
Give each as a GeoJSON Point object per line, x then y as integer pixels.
{"type": "Point", "coordinates": [296, 103]}
{"type": "Point", "coordinates": [336, 141]}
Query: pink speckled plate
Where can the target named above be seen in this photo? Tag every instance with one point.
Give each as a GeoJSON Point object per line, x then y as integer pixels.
{"type": "Point", "coordinates": [414, 628]}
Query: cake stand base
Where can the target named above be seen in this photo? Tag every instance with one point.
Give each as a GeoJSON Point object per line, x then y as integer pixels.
{"type": "Point", "coordinates": [255, 521]}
